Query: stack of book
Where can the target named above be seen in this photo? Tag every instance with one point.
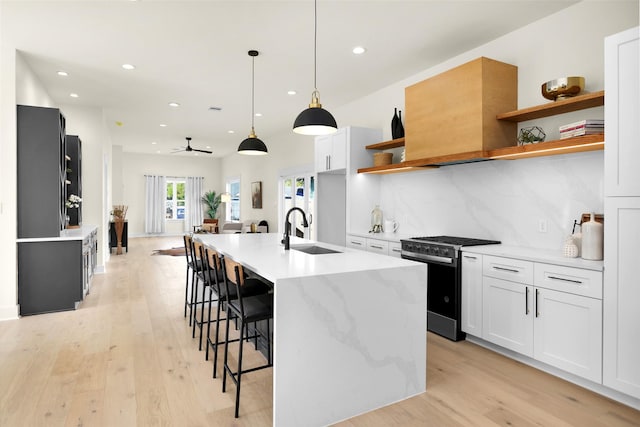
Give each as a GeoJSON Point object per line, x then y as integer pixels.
{"type": "Point", "coordinates": [583, 127]}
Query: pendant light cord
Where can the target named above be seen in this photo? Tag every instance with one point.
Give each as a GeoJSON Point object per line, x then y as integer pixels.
{"type": "Point", "coordinates": [253, 84]}
{"type": "Point", "coordinates": [315, 44]}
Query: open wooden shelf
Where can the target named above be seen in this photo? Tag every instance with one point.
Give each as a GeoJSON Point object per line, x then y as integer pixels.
{"type": "Point", "coordinates": [393, 168]}
{"type": "Point", "coordinates": [560, 146]}
{"type": "Point", "coordinates": [385, 145]}
{"type": "Point", "coordinates": [580, 102]}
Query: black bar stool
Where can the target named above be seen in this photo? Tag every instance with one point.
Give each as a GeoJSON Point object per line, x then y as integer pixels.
{"type": "Point", "coordinates": [193, 266]}
{"type": "Point", "coordinates": [248, 309]}
{"type": "Point", "coordinates": [217, 287]}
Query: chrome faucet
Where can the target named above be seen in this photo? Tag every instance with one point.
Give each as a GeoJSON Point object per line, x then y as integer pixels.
{"type": "Point", "coordinates": [287, 226]}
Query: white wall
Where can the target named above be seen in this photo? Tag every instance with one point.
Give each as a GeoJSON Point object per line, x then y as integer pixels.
{"type": "Point", "coordinates": [506, 199]}
{"type": "Point", "coordinates": [286, 150]}
{"type": "Point", "coordinates": [133, 168]}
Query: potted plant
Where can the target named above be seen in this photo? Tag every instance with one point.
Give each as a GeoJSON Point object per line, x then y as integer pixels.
{"type": "Point", "coordinates": [212, 202]}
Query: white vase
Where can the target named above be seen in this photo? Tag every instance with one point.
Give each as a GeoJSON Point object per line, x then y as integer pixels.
{"type": "Point", "coordinates": [592, 239]}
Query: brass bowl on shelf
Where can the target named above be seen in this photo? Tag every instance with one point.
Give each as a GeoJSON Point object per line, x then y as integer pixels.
{"type": "Point", "coordinates": [562, 88]}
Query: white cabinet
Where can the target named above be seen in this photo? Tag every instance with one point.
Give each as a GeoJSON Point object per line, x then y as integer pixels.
{"type": "Point", "coordinates": [471, 289]}
{"type": "Point", "coordinates": [621, 320]}
{"type": "Point", "coordinates": [356, 242]}
{"type": "Point", "coordinates": [548, 312]}
{"type": "Point", "coordinates": [378, 246]}
{"type": "Point", "coordinates": [568, 332]}
{"type": "Point", "coordinates": [331, 151]}
{"type": "Point", "coordinates": [622, 110]}
{"type": "Point", "coordinates": [507, 318]}
{"type": "Point", "coordinates": [395, 249]}
{"type": "Point", "coordinates": [621, 316]}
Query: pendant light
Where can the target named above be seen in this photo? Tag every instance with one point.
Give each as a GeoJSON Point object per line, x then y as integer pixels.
{"type": "Point", "coordinates": [315, 120]}
{"type": "Point", "coordinates": [253, 145]}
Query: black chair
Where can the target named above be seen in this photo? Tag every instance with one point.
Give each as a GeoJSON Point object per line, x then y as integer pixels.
{"type": "Point", "coordinates": [197, 250]}
{"type": "Point", "coordinates": [247, 309]}
{"type": "Point", "coordinates": [252, 286]}
{"type": "Point", "coordinates": [193, 266]}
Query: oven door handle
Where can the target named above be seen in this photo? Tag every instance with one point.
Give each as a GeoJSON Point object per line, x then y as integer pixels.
{"type": "Point", "coordinates": [424, 257]}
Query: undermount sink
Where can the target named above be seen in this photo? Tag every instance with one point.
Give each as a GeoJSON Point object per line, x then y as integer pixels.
{"type": "Point", "coordinates": [314, 250]}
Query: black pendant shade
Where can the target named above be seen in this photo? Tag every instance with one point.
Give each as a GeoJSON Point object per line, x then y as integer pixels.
{"type": "Point", "coordinates": [252, 145]}
{"type": "Point", "coordinates": [315, 120]}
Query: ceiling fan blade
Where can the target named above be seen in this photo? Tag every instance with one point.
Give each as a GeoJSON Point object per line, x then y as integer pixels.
{"type": "Point", "coordinates": [202, 151]}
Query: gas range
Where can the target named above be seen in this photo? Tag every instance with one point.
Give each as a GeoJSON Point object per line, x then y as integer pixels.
{"type": "Point", "coordinates": [443, 279]}
{"type": "Point", "coordinates": [442, 249]}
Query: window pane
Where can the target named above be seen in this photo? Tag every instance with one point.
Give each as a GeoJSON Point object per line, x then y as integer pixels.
{"type": "Point", "coordinates": [169, 190]}
{"type": "Point", "coordinates": [180, 190]}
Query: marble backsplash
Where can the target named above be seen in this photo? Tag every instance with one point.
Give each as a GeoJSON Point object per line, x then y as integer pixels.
{"type": "Point", "coordinates": [505, 199]}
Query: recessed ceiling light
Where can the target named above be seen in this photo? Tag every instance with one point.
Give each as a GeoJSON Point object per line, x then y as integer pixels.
{"type": "Point", "coordinates": [291, 92]}
{"type": "Point", "coordinates": [359, 50]}
{"type": "Point", "coordinates": [162, 125]}
{"type": "Point", "coordinates": [208, 147]}
{"type": "Point", "coordinates": [258, 114]}
{"type": "Point", "coordinates": [128, 67]}
{"type": "Point", "coordinates": [63, 73]}
{"type": "Point", "coordinates": [158, 152]}
{"type": "Point", "coordinates": [174, 104]}
{"type": "Point", "coordinates": [153, 143]}
{"type": "Point", "coordinates": [231, 131]}
{"type": "Point", "coordinates": [73, 95]}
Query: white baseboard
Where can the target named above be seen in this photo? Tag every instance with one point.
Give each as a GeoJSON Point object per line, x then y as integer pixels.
{"type": "Point", "coordinates": [9, 312]}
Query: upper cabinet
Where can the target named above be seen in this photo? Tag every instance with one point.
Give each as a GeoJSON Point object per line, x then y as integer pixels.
{"type": "Point", "coordinates": [331, 151]}
{"type": "Point", "coordinates": [74, 176]}
{"type": "Point", "coordinates": [455, 112]}
{"type": "Point", "coordinates": [42, 178]}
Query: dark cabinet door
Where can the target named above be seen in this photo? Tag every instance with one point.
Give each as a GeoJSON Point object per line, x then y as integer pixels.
{"type": "Point", "coordinates": [49, 276]}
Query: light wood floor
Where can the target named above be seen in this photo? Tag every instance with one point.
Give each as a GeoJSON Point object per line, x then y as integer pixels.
{"type": "Point", "coordinates": [126, 358]}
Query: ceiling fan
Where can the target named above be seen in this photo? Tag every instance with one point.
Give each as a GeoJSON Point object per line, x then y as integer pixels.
{"type": "Point", "coordinates": [188, 148]}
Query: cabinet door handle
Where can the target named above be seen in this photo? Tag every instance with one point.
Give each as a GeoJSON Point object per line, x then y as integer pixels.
{"type": "Point", "coordinates": [353, 242]}
{"type": "Point", "coordinates": [326, 163]}
{"type": "Point", "coordinates": [526, 301]}
{"type": "Point", "coordinates": [565, 280]}
{"type": "Point", "coordinates": [470, 257]}
{"type": "Point", "coordinates": [377, 247]}
{"type": "Point", "coordinates": [510, 270]}
{"type": "Point", "coordinates": [536, 301]}
{"type": "Point", "coordinates": [396, 250]}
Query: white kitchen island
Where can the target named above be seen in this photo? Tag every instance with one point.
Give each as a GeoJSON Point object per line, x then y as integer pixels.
{"type": "Point", "coordinates": [349, 328]}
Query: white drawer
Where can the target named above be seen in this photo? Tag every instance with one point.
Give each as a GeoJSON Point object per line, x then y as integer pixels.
{"type": "Point", "coordinates": [395, 249]}
{"type": "Point", "coordinates": [378, 246]}
{"type": "Point", "coordinates": [569, 279]}
{"type": "Point", "coordinates": [356, 242]}
{"type": "Point", "coordinates": [514, 270]}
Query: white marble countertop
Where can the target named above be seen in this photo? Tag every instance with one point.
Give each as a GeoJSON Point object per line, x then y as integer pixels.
{"type": "Point", "coordinates": [390, 237]}
{"type": "Point", "coordinates": [68, 234]}
{"type": "Point", "coordinates": [265, 255]}
{"type": "Point", "coordinates": [535, 255]}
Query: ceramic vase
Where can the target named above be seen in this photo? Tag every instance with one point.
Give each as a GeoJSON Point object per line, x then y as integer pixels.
{"type": "Point", "coordinates": [394, 123]}
{"type": "Point", "coordinates": [592, 239]}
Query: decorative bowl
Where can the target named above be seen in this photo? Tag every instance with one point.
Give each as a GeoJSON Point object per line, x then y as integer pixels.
{"type": "Point", "coordinates": [562, 88]}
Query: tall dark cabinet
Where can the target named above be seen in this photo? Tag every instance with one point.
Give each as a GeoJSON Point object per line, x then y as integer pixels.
{"type": "Point", "coordinates": [74, 176]}
{"type": "Point", "coordinates": [42, 181]}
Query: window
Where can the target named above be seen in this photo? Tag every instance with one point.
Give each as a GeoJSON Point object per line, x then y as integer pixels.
{"type": "Point", "coordinates": [233, 208]}
{"type": "Point", "coordinates": [175, 203]}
